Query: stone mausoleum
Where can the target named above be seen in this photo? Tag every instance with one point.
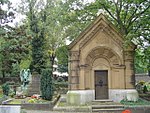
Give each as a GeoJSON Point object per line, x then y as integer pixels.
{"type": "Point", "coordinates": [100, 66]}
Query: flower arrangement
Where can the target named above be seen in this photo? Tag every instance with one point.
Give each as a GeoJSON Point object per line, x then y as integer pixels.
{"type": "Point", "coordinates": [34, 98]}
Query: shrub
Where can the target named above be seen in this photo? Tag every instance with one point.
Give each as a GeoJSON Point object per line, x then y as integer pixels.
{"type": "Point", "coordinates": [61, 86]}
{"type": "Point", "coordinates": [6, 89]}
{"type": "Point", "coordinates": [46, 84]}
{"type": "Point", "coordinates": [143, 87]}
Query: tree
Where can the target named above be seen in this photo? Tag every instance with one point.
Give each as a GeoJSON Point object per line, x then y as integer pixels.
{"type": "Point", "coordinates": [14, 47]}
{"type": "Point", "coordinates": [44, 21]}
{"type": "Point", "coordinates": [46, 85]}
{"type": "Point", "coordinates": [35, 30]}
{"type": "Point", "coordinates": [54, 29]}
{"type": "Point", "coordinates": [128, 16]}
{"type": "Point", "coordinates": [62, 54]}
{"type": "Point", "coordinates": [74, 18]}
{"type": "Point", "coordinates": [6, 16]}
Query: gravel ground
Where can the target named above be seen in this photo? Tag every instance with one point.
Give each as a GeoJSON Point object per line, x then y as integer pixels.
{"type": "Point", "coordinates": [35, 111]}
{"type": "Point", "coordinates": [133, 111]}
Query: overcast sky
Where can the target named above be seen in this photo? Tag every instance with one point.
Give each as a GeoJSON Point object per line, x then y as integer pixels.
{"type": "Point", "coordinates": [19, 16]}
{"type": "Point", "coordinates": [18, 1]}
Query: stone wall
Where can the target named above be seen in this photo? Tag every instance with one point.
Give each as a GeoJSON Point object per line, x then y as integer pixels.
{"type": "Point", "coordinates": [142, 77]}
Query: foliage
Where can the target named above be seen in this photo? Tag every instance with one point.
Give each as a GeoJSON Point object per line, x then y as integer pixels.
{"type": "Point", "coordinates": [43, 20]}
{"type": "Point", "coordinates": [37, 63]}
{"type": "Point", "coordinates": [46, 84]}
{"type": "Point", "coordinates": [15, 69]}
{"type": "Point", "coordinates": [12, 93]}
{"type": "Point", "coordinates": [14, 47]}
{"type": "Point", "coordinates": [142, 60]}
{"type": "Point", "coordinates": [6, 16]}
{"type": "Point", "coordinates": [62, 54]}
{"type": "Point", "coordinates": [54, 32]}
{"type": "Point", "coordinates": [6, 89]}
{"type": "Point", "coordinates": [139, 102]}
{"type": "Point", "coordinates": [61, 86]}
{"type": "Point", "coordinates": [75, 18]}
{"type": "Point", "coordinates": [128, 16]}
{"type": "Point", "coordinates": [143, 87]}
{"type": "Point", "coordinates": [25, 63]}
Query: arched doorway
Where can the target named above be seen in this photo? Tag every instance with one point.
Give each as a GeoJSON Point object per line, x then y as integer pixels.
{"type": "Point", "coordinates": [100, 62]}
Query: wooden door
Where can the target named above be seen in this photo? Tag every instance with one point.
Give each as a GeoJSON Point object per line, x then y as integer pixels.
{"type": "Point", "coordinates": [101, 84]}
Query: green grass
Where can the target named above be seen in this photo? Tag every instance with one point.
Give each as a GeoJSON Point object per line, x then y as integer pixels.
{"type": "Point", "coordinates": [19, 101]}
{"type": "Point", "coordinates": [16, 101]}
{"type": "Point", "coordinates": [1, 95]}
{"type": "Point", "coordinates": [65, 104]}
{"type": "Point", "coordinates": [139, 102]}
{"type": "Point", "coordinates": [62, 104]}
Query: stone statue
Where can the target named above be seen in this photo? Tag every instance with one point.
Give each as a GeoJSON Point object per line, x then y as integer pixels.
{"type": "Point", "coordinates": [25, 76]}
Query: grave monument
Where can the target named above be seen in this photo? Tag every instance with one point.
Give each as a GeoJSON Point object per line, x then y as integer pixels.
{"type": "Point", "coordinates": [100, 66]}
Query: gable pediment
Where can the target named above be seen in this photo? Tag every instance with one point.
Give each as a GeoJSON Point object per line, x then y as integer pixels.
{"type": "Point", "coordinates": [100, 25]}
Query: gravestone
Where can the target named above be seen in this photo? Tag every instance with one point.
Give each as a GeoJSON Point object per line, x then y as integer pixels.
{"type": "Point", "coordinates": [34, 86]}
{"type": "Point", "coordinates": [9, 109]}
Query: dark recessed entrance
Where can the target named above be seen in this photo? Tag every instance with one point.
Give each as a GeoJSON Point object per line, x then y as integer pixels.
{"type": "Point", "coordinates": [101, 84]}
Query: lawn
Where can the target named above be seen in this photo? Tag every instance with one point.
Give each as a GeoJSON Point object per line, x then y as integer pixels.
{"type": "Point", "coordinates": [1, 95]}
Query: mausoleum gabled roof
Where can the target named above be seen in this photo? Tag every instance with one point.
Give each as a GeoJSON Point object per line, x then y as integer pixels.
{"type": "Point", "coordinates": [101, 19]}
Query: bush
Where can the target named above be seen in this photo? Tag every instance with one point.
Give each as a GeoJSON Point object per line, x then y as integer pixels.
{"type": "Point", "coordinates": [6, 89]}
{"type": "Point", "coordinates": [61, 86]}
{"type": "Point", "coordinates": [143, 87]}
{"type": "Point", "coordinates": [46, 84]}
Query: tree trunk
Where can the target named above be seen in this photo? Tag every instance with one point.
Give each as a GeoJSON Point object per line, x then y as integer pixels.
{"type": "Point", "coordinates": [149, 68]}
{"type": "Point", "coordinates": [3, 79]}
{"type": "Point", "coordinates": [52, 61]}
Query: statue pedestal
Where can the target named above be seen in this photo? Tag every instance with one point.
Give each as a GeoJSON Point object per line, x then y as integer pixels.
{"type": "Point", "coordinates": [34, 86]}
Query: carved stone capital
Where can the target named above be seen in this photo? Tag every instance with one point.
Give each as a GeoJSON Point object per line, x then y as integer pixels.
{"type": "Point", "coordinates": [74, 55]}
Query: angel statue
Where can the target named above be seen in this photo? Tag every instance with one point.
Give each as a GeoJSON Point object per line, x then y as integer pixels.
{"type": "Point", "coordinates": [25, 76]}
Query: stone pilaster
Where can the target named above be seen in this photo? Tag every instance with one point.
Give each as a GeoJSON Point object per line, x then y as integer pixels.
{"type": "Point", "coordinates": [129, 71]}
{"type": "Point", "coordinates": [74, 70]}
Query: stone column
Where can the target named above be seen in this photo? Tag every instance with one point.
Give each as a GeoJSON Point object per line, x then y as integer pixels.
{"type": "Point", "coordinates": [129, 71]}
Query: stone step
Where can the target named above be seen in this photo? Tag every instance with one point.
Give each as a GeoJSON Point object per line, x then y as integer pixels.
{"type": "Point", "coordinates": [106, 106]}
{"type": "Point", "coordinates": [117, 110]}
{"type": "Point", "coordinates": [104, 100]}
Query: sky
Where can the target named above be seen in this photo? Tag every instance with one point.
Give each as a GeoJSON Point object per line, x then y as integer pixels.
{"type": "Point", "coordinates": [19, 17]}
{"type": "Point", "coordinates": [18, 1]}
